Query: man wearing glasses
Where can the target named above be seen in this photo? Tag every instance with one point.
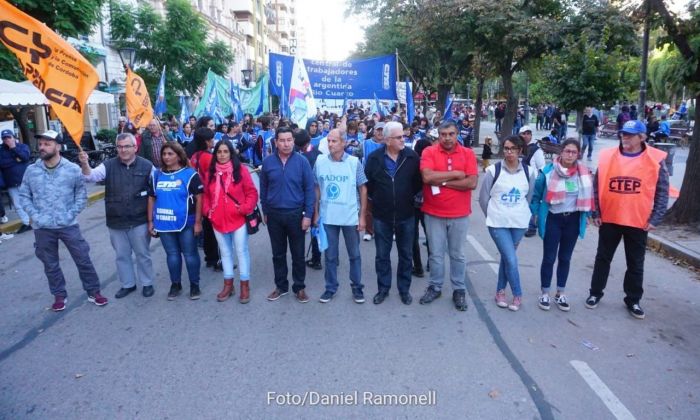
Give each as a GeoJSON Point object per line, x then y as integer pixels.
{"type": "Point", "coordinates": [449, 172]}
{"type": "Point", "coordinates": [126, 182]}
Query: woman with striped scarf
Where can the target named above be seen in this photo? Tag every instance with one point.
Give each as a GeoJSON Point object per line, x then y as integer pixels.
{"type": "Point", "coordinates": [562, 201]}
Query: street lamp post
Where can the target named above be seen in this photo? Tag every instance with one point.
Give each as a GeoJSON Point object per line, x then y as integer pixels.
{"type": "Point", "coordinates": [247, 76]}
{"type": "Point", "coordinates": [128, 56]}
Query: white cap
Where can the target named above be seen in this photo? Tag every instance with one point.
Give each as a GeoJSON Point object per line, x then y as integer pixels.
{"type": "Point", "coordinates": [524, 129]}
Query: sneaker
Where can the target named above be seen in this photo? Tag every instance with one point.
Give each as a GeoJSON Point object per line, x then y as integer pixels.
{"type": "Point", "coordinates": [326, 297]}
{"type": "Point", "coordinates": [516, 303]}
{"type": "Point", "coordinates": [430, 295]}
{"type": "Point", "coordinates": [316, 265]}
{"type": "Point", "coordinates": [367, 237]}
{"type": "Point", "coordinates": [59, 303]}
{"type": "Point", "coordinates": [358, 296]}
{"type": "Point", "coordinates": [175, 290]}
{"type": "Point", "coordinates": [460, 300]}
{"type": "Point", "coordinates": [276, 294]}
{"type": "Point", "coordinates": [592, 302]}
{"type": "Point", "coordinates": [195, 292]}
{"type": "Point", "coordinates": [97, 299]}
{"type": "Point", "coordinates": [636, 311]}
{"type": "Point", "coordinates": [544, 302]}
{"type": "Point", "coordinates": [6, 236]}
{"type": "Point", "coordinates": [501, 299]}
{"type": "Point", "coordinates": [530, 233]}
{"type": "Point", "coordinates": [4, 220]}
{"type": "Point", "coordinates": [562, 303]}
{"type": "Point", "coordinates": [301, 296]}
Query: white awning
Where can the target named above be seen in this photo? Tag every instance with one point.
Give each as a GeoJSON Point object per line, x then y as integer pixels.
{"type": "Point", "coordinates": [24, 93]}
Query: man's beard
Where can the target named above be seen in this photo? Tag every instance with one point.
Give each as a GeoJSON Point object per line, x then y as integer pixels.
{"type": "Point", "coordinates": [47, 155]}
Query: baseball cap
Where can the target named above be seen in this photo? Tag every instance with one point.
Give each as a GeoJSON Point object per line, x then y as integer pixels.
{"type": "Point", "coordinates": [7, 133]}
{"type": "Point", "coordinates": [51, 135]}
{"type": "Point", "coordinates": [524, 129]}
{"type": "Point", "coordinates": [379, 125]}
{"type": "Point", "coordinates": [634, 127]}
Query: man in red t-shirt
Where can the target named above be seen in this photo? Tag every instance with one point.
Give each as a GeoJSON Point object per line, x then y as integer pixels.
{"type": "Point", "coordinates": [449, 175]}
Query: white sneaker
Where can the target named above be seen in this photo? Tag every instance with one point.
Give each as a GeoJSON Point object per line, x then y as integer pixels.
{"type": "Point", "coordinates": [6, 236]}
{"type": "Point", "coordinates": [4, 220]}
{"type": "Point", "coordinates": [367, 237]}
{"type": "Point", "coordinates": [544, 302]}
{"type": "Point", "coordinates": [562, 302]}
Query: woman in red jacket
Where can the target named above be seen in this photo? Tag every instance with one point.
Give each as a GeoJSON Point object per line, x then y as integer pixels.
{"type": "Point", "coordinates": [229, 195]}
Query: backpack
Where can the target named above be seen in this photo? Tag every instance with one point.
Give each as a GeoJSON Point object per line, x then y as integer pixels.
{"type": "Point", "coordinates": [531, 150]}
{"type": "Point", "coordinates": [526, 169]}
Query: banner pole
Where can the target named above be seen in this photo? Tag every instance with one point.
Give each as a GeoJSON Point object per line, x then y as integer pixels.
{"type": "Point", "coordinates": [397, 66]}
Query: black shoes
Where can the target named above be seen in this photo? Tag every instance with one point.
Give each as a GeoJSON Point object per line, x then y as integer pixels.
{"type": "Point", "coordinates": [380, 296]}
{"type": "Point", "coordinates": [592, 302]}
{"type": "Point", "coordinates": [175, 290]}
{"type": "Point", "coordinates": [417, 271]}
{"type": "Point", "coordinates": [530, 233]}
{"type": "Point", "coordinates": [636, 311]}
{"type": "Point", "coordinates": [430, 295]}
{"type": "Point", "coordinates": [316, 265]}
{"type": "Point", "coordinates": [147, 291]}
{"type": "Point", "coordinates": [460, 300]}
{"type": "Point", "coordinates": [124, 292]}
{"type": "Point", "coordinates": [194, 292]}
{"type": "Point", "coordinates": [406, 298]}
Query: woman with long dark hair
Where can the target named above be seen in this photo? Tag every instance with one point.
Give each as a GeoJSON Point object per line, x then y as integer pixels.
{"type": "Point", "coordinates": [229, 196]}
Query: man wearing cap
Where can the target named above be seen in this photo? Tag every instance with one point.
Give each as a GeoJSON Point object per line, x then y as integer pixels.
{"type": "Point", "coordinates": [14, 159]}
{"type": "Point", "coordinates": [53, 194]}
{"type": "Point", "coordinates": [631, 197]}
{"type": "Point", "coordinates": [126, 200]}
{"type": "Point", "coordinates": [152, 141]}
{"type": "Point", "coordinates": [534, 156]}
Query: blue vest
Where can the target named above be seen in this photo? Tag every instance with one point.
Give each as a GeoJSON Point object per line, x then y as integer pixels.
{"type": "Point", "coordinates": [171, 209]}
{"type": "Point", "coordinates": [338, 184]}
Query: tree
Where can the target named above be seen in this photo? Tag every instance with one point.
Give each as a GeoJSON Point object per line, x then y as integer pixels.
{"type": "Point", "coordinates": [666, 68]}
{"type": "Point", "coordinates": [76, 17]}
{"type": "Point", "coordinates": [177, 42]}
{"type": "Point", "coordinates": [685, 35]}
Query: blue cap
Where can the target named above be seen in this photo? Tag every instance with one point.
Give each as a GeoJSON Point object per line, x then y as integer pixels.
{"type": "Point", "coordinates": [634, 127]}
{"type": "Point", "coordinates": [7, 133]}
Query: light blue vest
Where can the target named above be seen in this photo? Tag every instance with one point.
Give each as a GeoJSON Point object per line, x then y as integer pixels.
{"type": "Point", "coordinates": [338, 184]}
{"type": "Point", "coordinates": [171, 209]}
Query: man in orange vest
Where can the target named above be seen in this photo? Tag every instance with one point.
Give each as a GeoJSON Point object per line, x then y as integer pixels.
{"type": "Point", "coordinates": [631, 197]}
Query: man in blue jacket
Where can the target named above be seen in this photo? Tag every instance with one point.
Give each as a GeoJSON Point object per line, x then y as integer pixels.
{"type": "Point", "coordinates": [14, 159]}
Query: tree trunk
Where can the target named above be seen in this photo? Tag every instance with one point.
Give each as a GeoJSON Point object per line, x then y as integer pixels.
{"type": "Point", "coordinates": [443, 91]}
{"type": "Point", "coordinates": [579, 124]}
{"type": "Point", "coordinates": [21, 115]}
{"type": "Point", "coordinates": [477, 111]}
{"type": "Point", "coordinates": [511, 109]}
{"type": "Point", "coordinates": [686, 209]}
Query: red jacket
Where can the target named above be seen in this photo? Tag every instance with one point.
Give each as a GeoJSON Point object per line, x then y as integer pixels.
{"type": "Point", "coordinates": [226, 217]}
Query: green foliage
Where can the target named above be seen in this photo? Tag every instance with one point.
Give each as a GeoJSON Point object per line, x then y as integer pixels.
{"type": "Point", "coordinates": [665, 74]}
{"type": "Point", "coordinates": [106, 135]}
{"type": "Point", "coordinates": [178, 42]}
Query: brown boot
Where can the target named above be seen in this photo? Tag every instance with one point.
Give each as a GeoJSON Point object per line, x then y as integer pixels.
{"type": "Point", "coordinates": [245, 292]}
{"type": "Point", "coordinates": [227, 291]}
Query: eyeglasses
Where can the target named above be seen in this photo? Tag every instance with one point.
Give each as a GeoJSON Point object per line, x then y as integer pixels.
{"type": "Point", "coordinates": [511, 149]}
{"type": "Point", "coordinates": [126, 147]}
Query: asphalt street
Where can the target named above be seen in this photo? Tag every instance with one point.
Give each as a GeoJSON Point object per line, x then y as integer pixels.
{"type": "Point", "coordinates": [140, 358]}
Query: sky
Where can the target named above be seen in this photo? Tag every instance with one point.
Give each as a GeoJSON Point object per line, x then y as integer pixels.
{"type": "Point", "coordinates": [341, 34]}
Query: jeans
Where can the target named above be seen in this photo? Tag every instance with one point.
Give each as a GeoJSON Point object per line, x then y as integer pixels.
{"type": "Point", "coordinates": [587, 142]}
{"type": "Point", "coordinates": [14, 195]}
{"type": "Point", "coordinates": [383, 241]}
{"type": "Point", "coordinates": [352, 244]}
{"type": "Point", "coordinates": [560, 236]}
{"type": "Point", "coordinates": [283, 228]}
{"type": "Point", "coordinates": [227, 242]}
{"type": "Point", "coordinates": [134, 240]}
{"type": "Point", "coordinates": [447, 236]}
{"type": "Point", "coordinates": [499, 121]}
{"type": "Point", "coordinates": [539, 124]}
{"type": "Point", "coordinates": [46, 249]}
{"type": "Point", "coordinates": [609, 236]}
{"type": "Point", "coordinates": [562, 132]}
{"type": "Point", "coordinates": [419, 219]}
{"type": "Point", "coordinates": [177, 244]}
{"type": "Point", "coordinates": [507, 240]}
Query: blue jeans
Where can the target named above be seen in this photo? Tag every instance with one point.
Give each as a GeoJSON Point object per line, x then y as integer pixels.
{"type": "Point", "coordinates": [227, 242]}
{"type": "Point", "coordinates": [587, 142]}
{"type": "Point", "coordinates": [352, 244]}
{"type": "Point", "coordinates": [561, 232]}
{"type": "Point", "coordinates": [447, 237]}
{"type": "Point", "coordinates": [383, 240]}
{"type": "Point", "coordinates": [507, 240]}
{"type": "Point", "coordinates": [177, 244]}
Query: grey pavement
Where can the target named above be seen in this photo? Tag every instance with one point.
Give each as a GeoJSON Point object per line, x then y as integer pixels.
{"type": "Point", "coordinates": [140, 358]}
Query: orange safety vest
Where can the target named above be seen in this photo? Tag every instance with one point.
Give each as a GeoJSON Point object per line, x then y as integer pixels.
{"type": "Point", "coordinates": [627, 185]}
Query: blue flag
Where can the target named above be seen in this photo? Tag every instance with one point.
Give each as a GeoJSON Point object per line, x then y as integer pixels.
{"type": "Point", "coordinates": [212, 107]}
{"type": "Point", "coordinates": [410, 107]}
{"type": "Point", "coordinates": [234, 92]}
{"type": "Point", "coordinates": [379, 108]}
{"type": "Point", "coordinates": [184, 110]}
{"type": "Point", "coordinates": [448, 108]}
{"type": "Point", "coordinates": [161, 106]}
{"type": "Point", "coordinates": [345, 105]}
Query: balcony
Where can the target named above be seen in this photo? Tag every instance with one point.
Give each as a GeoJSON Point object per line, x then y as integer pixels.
{"type": "Point", "coordinates": [246, 28]}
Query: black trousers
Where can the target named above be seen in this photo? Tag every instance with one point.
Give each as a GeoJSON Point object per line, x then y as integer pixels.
{"type": "Point", "coordinates": [211, 247]}
{"type": "Point", "coordinates": [315, 251]}
{"type": "Point", "coordinates": [417, 261]}
{"type": "Point", "coordinates": [283, 228]}
{"type": "Point", "coordinates": [635, 241]}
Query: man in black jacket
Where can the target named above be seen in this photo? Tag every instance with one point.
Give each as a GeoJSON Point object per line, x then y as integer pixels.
{"type": "Point", "coordinates": [393, 175]}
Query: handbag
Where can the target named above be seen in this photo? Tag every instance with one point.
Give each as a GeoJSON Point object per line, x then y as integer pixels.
{"type": "Point", "coordinates": [253, 219]}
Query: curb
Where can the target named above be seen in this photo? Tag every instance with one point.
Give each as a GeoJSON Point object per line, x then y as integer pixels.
{"type": "Point", "coordinates": [13, 225]}
{"type": "Point", "coordinates": [664, 246]}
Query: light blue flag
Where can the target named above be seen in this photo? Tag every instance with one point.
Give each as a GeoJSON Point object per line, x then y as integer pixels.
{"type": "Point", "coordinates": [378, 107]}
{"type": "Point", "coordinates": [184, 110]}
{"type": "Point", "coordinates": [212, 107]}
{"type": "Point", "coordinates": [410, 107]}
{"type": "Point", "coordinates": [448, 108]}
{"type": "Point", "coordinates": [161, 107]}
{"type": "Point", "coordinates": [234, 92]}
{"type": "Point", "coordinates": [345, 105]}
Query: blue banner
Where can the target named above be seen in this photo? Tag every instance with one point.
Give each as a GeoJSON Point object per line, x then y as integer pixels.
{"type": "Point", "coordinates": [351, 79]}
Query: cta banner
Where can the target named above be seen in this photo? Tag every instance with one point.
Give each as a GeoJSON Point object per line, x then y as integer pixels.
{"type": "Point", "coordinates": [351, 79]}
{"type": "Point", "coordinates": [138, 102]}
